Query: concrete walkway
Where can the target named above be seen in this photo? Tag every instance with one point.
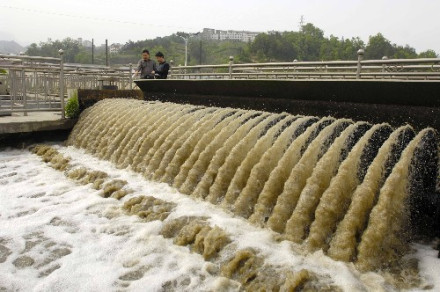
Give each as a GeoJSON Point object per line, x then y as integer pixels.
{"type": "Point", "coordinates": [34, 122]}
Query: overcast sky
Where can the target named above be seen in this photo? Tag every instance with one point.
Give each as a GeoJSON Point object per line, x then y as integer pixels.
{"type": "Point", "coordinates": [403, 22]}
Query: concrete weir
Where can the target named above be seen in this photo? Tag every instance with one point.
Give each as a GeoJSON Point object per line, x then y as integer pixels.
{"type": "Point", "coordinates": [395, 102]}
{"type": "Point", "coordinates": [255, 179]}
{"type": "Point", "coordinates": [36, 126]}
{"type": "Point", "coordinates": [375, 101]}
{"type": "Point", "coordinates": [358, 191]}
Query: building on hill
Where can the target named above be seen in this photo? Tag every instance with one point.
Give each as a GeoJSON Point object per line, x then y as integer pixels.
{"type": "Point", "coordinates": [87, 43]}
{"type": "Point", "coordinates": [115, 48]}
{"type": "Point", "coordinates": [230, 35]}
{"type": "Point", "coordinates": [84, 43]}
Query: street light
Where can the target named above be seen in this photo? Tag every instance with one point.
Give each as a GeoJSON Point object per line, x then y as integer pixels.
{"type": "Point", "coordinates": [186, 45]}
{"type": "Point", "coordinates": [186, 48]}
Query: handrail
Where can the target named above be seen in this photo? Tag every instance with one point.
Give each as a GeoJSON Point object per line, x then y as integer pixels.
{"type": "Point", "coordinates": [314, 63]}
{"type": "Point", "coordinates": [41, 83]}
{"type": "Point", "coordinates": [385, 68]}
{"type": "Point", "coordinates": [26, 57]}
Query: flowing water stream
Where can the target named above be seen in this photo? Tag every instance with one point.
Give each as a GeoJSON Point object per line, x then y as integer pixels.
{"type": "Point", "coordinates": [335, 185]}
{"type": "Point", "coordinates": [167, 197]}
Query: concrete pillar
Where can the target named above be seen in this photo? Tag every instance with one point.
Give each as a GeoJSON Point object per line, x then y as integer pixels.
{"type": "Point", "coordinates": [231, 62]}
{"type": "Point", "coordinates": [360, 54]}
{"type": "Point", "coordinates": [383, 65]}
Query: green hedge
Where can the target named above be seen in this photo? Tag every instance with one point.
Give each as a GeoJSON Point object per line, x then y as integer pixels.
{"type": "Point", "coordinates": [72, 107]}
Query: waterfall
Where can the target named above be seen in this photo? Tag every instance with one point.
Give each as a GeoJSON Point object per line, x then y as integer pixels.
{"type": "Point", "coordinates": [346, 238]}
{"type": "Point", "coordinates": [333, 184]}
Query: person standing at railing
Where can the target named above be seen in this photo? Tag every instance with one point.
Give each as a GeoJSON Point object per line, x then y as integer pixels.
{"type": "Point", "coordinates": [162, 68]}
{"type": "Point", "coordinates": [146, 67]}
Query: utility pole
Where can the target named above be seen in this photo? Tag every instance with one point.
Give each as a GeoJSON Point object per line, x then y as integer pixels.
{"type": "Point", "coordinates": [186, 51]}
{"type": "Point", "coordinates": [200, 55]}
{"type": "Point", "coordinates": [301, 23]}
{"type": "Point", "coordinates": [106, 53]}
{"type": "Point", "coordinates": [93, 51]}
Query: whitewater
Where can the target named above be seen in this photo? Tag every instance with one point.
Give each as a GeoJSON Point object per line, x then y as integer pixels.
{"type": "Point", "coordinates": [59, 235]}
{"type": "Point", "coordinates": [150, 196]}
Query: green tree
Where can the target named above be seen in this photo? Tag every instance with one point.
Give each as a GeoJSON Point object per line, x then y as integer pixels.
{"type": "Point", "coordinates": [84, 57]}
{"type": "Point", "coordinates": [405, 52]}
{"type": "Point", "coordinates": [308, 44]}
{"type": "Point", "coordinates": [351, 47]}
{"type": "Point", "coordinates": [50, 48]}
{"type": "Point", "coordinates": [331, 49]}
{"type": "Point", "coordinates": [34, 50]}
{"type": "Point", "coordinates": [275, 47]}
{"type": "Point", "coordinates": [311, 41]}
{"type": "Point", "coordinates": [378, 46]}
{"type": "Point", "coordinates": [428, 54]}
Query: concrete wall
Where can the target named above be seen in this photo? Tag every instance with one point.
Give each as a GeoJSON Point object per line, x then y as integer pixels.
{"type": "Point", "coordinates": [25, 139]}
{"type": "Point", "coordinates": [395, 102]}
{"type": "Point", "coordinates": [88, 97]}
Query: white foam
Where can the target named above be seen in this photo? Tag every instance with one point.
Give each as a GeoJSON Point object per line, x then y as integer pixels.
{"type": "Point", "coordinates": [40, 205]}
{"type": "Point", "coordinates": [429, 265]}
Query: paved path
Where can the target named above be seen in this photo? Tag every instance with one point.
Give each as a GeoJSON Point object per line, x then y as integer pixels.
{"type": "Point", "coordinates": [34, 122]}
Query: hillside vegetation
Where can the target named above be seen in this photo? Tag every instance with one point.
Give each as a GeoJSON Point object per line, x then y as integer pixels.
{"type": "Point", "coordinates": [308, 44]}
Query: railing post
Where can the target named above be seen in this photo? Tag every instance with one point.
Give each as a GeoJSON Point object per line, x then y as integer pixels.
{"type": "Point", "coordinates": [383, 65]}
{"type": "Point", "coordinates": [294, 75]}
{"type": "Point", "coordinates": [360, 54]}
{"type": "Point", "coordinates": [231, 62]}
{"type": "Point", "coordinates": [23, 90]}
{"type": "Point", "coordinates": [131, 75]}
{"type": "Point", "coordinates": [171, 67]}
{"type": "Point", "coordinates": [12, 88]}
{"type": "Point", "coordinates": [61, 52]}
{"type": "Point", "coordinates": [37, 99]}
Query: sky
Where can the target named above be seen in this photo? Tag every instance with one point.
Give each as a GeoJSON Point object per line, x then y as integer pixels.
{"type": "Point", "coordinates": [411, 22]}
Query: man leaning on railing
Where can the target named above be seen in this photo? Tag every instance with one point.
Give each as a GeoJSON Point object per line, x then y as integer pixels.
{"type": "Point", "coordinates": [161, 71]}
{"type": "Point", "coordinates": [146, 67]}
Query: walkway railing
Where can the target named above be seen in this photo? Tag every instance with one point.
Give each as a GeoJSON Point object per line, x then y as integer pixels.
{"type": "Point", "coordinates": [42, 83]}
{"type": "Point", "coordinates": [396, 69]}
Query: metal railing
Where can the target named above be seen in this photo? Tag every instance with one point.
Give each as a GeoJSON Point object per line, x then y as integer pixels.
{"type": "Point", "coordinates": [395, 69]}
{"type": "Point", "coordinates": [41, 83]}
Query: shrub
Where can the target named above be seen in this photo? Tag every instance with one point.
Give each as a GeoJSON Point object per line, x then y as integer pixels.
{"type": "Point", "coordinates": [72, 107]}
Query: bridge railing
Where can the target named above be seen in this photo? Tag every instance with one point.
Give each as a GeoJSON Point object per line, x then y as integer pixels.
{"type": "Point", "coordinates": [399, 69]}
{"type": "Point", "coordinates": [41, 84]}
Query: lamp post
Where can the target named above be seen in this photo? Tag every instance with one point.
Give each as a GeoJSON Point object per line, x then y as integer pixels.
{"type": "Point", "coordinates": [186, 45]}
{"type": "Point", "coordinates": [186, 48]}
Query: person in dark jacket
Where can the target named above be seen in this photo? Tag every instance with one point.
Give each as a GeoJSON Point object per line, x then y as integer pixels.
{"type": "Point", "coordinates": [146, 67]}
{"type": "Point", "coordinates": [162, 68]}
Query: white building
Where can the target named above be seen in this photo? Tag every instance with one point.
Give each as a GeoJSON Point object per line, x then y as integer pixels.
{"type": "Point", "coordinates": [87, 43]}
{"type": "Point", "coordinates": [115, 48]}
{"type": "Point", "coordinates": [84, 43]}
{"type": "Point", "coordinates": [235, 35]}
